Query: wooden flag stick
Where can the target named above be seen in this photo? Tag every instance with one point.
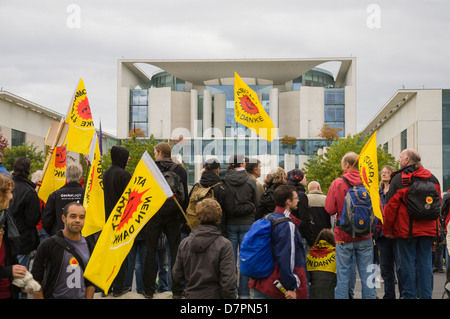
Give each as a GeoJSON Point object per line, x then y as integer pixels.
{"type": "Point", "coordinates": [182, 211]}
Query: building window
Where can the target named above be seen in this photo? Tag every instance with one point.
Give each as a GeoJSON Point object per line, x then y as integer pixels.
{"type": "Point", "coordinates": [17, 137]}
{"type": "Point", "coordinates": [404, 139]}
{"type": "Point", "coordinates": [335, 109]}
{"type": "Point", "coordinates": [139, 110]}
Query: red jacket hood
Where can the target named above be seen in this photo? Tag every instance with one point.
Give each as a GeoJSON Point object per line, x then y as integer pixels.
{"type": "Point", "coordinates": [353, 177]}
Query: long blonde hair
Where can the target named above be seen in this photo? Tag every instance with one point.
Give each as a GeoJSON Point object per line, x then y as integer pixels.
{"type": "Point", "coordinates": [6, 184]}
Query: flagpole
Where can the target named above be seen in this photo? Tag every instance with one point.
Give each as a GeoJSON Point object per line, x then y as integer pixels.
{"type": "Point", "coordinates": [182, 211]}
{"type": "Point", "coordinates": [50, 153]}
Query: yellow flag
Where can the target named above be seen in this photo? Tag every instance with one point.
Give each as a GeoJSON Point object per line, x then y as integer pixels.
{"type": "Point", "coordinates": [81, 125]}
{"type": "Point", "coordinates": [249, 112]}
{"type": "Point", "coordinates": [55, 175]}
{"type": "Point", "coordinates": [94, 200]}
{"type": "Point", "coordinates": [143, 197]}
{"type": "Point", "coordinates": [368, 169]}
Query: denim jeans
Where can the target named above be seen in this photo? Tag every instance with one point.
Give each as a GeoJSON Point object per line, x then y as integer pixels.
{"type": "Point", "coordinates": [415, 270]}
{"type": "Point", "coordinates": [363, 252]}
{"type": "Point", "coordinates": [235, 233]}
{"type": "Point", "coordinates": [136, 258]}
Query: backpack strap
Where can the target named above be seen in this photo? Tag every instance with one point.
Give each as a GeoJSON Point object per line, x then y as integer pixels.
{"type": "Point", "coordinates": [69, 248]}
{"type": "Point", "coordinates": [346, 181]}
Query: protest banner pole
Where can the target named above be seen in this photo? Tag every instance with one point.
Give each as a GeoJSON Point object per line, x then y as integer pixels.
{"type": "Point", "coordinates": [50, 152]}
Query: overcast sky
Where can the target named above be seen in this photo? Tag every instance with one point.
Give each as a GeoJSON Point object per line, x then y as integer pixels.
{"type": "Point", "coordinates": [47, 46]}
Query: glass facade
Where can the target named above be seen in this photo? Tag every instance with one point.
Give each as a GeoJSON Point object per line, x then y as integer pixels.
{"type": "Point", "coordinates": [446, 140]}
{"type": "Point", "coordinates": [17, 137]}
{"type": "Point", "coordinates": [139, 110]}
{"type": "Point", "coordinates": [335, 108]}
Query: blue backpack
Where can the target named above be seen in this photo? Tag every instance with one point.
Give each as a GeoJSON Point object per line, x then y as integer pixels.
{"type": "Point", "coordinates": [255, 253]}
{"type": "Point", "coordinates": [357, 217]}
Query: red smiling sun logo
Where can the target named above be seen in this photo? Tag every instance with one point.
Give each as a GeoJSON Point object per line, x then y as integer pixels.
{"type": "Point", "coordinates": [133, 202]}
{"type": "Point", "coordinates": [247, 105]}
{"type": "Point", "coordinates": [84, 110]}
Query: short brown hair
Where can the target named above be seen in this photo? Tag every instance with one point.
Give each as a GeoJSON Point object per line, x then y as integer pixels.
{"type": "Point", "coordinates": [209, 211]}
{"type": "Point", "coordinates": [352, 159]}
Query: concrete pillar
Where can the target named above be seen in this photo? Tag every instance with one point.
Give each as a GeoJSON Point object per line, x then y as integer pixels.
{"type": "Point", "coordinates": [194, 113]}
{"type": "Point", "coordinates": [207, 113]}
{"type": "Point", "coordinates": [273, 106]}
{"type": "Point", "coordinates": [220, 101]}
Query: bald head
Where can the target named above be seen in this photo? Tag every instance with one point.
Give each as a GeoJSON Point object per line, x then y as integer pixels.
{"type": "Point", "coordinates": [409, 157]}
{"type": "Point", "coordinates": [313, 186]}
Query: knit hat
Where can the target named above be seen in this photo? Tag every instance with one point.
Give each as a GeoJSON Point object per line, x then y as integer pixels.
{"type": "Point", "coordinates": [295, 176]}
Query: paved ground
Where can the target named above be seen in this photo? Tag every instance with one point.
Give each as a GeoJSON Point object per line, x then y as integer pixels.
{"type": "Point", "coordinates": [438, 290]}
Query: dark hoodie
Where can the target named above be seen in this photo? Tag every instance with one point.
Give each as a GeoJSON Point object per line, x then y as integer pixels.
{"type": "Point", "coordinates": [244, 190]}
{"type": "Point", "coordinates": [115, 178]}
{"type": "Point", "coordinates": [205, 259]}
{"type": "Point", "coordinates": [224, 196]}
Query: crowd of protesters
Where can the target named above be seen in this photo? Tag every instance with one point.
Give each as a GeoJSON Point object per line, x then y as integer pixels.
{"type": "Point", "coordinates": [315, 257]}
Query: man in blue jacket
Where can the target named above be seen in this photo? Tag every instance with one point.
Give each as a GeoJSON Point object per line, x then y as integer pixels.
{"type": "Point", "coordinates": [287, 248]}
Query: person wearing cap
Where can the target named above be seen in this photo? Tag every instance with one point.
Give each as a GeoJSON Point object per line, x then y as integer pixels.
{"type": "Point", "coordinates": [244, 190]}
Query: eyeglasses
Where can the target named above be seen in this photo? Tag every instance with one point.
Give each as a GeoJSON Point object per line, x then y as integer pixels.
{"type": "Point", "coordinates": [384, 173]}
{"type": "Point", "coordinates": [295, 198]}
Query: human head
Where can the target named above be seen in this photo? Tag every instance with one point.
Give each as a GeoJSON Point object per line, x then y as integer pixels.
{"type": "Point", "coordinates": [253, 166]}
{"type": "Point", "coordinates": [212, 165]}
{"type": "Point", "coordinates": [208, 211]}
{"type": "Point", "coordinates": [313, 186]}
{"type": "Point", "coordinates": [162, 150]}
{"type": "Point", "coordinates": [276, 176]}
{"type": "Point", "coordinates": [296, 176]}
{"type": "Point", "coordinates": [349, 162]}
{"type": "Point", "coordinates": [326, 234]}
{"type": "Point", "coordinates": [22, 167]}
{"type": "Point", "coordinates": [120, 156]}
{"type": "Point", "coordinates": [74, 172]}
{"type": "Point", "coordinates": [73, 217]}
{"type": "Point", "coordinates": [236, 160]}
{"type": "Point", "coordinates": [409, 157]}
{"type": "Point", "coordinates": [385, 174]}
{"type": "Point", "coordinates": [6, 187]}
{"type": "Point", "coordinates": [286, 196]}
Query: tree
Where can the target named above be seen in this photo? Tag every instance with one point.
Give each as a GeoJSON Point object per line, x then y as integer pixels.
{"type": "Point", "coordinates": [136, 147]}
{"type": "Point", "coordinates": [327, 167]}
{"type": "Point", "coordinates": [26, 149]}
{"type": "Point", "coordinates": [329, 133]}
{"type": "Point", "coordinates": [289, 143]}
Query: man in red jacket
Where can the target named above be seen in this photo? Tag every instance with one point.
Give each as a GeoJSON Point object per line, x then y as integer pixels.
{"type": "Point", "coordinates": [413, 238]}
{"type": "Point", "coordinates": [347, 246]}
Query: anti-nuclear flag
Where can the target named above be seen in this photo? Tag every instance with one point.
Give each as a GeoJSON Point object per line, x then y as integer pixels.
{"type": "Point", "coordinates": [94, 200]}
{"type": "Point", "coordinates": [368, 169]}
{"type": "Point", "coordinates": [55, 175]}
{"type": "Point", "coordinates": [81, 125]}
{"type": "Point", "coordinates": [249, 112]}
{"type": "Point", "coordinates": [143, 197]}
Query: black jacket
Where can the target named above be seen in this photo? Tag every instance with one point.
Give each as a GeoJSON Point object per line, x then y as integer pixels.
{"type": "Point", "coordinates": [243, 188]}
{"type": "Point", "coordinates": [48, 263]}
{"type": "Point", "coordinates": [302, 212]}
{"type": "Point", "coordinates": [224, 197]}
{"type": "Point", "coordinates": [115, 178]}
{"type": "Point", "coordinates": [267, 202]}
{"type": "Point", "coordinates": [51, 216]}
{"type": "Point", "coordinates": [26, 210]}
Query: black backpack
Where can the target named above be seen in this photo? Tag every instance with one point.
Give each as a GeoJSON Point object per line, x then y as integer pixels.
{"type": "Point", "coordinates": [175, 184]}
{"type": "Point", "coordinates": [423, 200]}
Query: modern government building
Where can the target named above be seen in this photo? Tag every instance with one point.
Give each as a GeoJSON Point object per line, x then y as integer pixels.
{"type": "Point", "coordinates": [195, 99]}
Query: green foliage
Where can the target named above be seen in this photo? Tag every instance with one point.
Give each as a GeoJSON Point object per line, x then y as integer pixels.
{"type": "Point", "coordinates": [136, 147]}
{"type": "Point", "coordinates": [28, 150]}
{"type": "Point", "coordinates": [326, 168]}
